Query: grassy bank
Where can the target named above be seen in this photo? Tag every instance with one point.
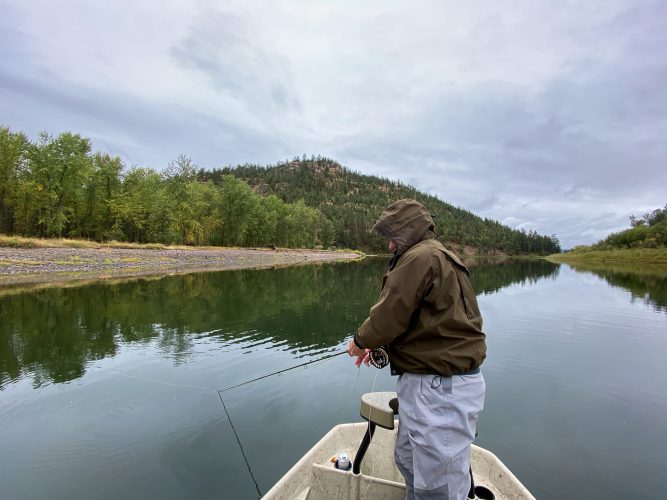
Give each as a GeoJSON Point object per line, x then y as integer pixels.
{"type": "Point", "coordinates": [20, 242]}
{"type": "Point", "coordinates": [630, 256]}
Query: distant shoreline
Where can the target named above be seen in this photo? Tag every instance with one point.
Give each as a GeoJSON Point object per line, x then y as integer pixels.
{"type": "Point", "coordinates": [54, 265]}
{"type": "Point", "coordinates": [628, 256]}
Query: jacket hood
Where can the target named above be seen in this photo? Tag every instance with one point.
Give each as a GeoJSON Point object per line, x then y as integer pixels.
{"type": "Point", "coordinates": [406, 222]}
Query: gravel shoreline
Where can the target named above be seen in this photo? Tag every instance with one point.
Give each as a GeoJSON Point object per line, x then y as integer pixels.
{"type": "Point", "coordinates": [25, 266]}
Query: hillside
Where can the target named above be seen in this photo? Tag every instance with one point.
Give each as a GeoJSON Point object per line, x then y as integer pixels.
{"type": "Point", "coordinates": [352, 202]}
{"type": "Point", "coordinates": [58, 187]}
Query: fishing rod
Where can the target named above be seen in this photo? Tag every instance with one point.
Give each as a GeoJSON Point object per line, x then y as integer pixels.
{"type": "Point", "coordinates": [377, 357]}
{"type": "Point", "coordinates": [282, 371]}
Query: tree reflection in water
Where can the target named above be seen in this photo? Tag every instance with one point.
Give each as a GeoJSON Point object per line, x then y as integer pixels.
{"type": "Point", "coordinates": [50, 335]}
{"type": "Point", "coordinates": [645, 283]}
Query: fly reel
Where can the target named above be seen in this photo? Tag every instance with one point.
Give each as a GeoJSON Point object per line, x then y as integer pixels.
{"type": "Point", "coordinates": [379, 357]}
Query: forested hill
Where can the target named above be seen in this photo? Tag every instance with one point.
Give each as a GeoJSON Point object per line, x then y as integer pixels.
{"type": "Point", "coordinates": [351, 203]}
{"type": "Point", "coordinates": [59, 187]}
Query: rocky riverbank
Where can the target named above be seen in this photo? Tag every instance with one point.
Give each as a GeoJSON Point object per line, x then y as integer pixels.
{"type": "Point", "coordinates": [53, 265]}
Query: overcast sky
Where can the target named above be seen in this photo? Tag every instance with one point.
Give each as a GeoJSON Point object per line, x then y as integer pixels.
{"type": "Point", "coordinates": [543, 115]}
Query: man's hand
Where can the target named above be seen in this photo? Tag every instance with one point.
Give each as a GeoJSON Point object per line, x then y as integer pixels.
{"type": "Point", "coordinates": [363, 355]}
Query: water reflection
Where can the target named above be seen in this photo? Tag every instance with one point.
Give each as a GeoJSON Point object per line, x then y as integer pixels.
{"type": "Point", "coordinates": [146, 419]}
{"type": "Point", "coordinates": [50, 335]}
{"type": "Point", "coordinates": [489, 277]}
{"type": "Point", "coordinates": [646, 284]}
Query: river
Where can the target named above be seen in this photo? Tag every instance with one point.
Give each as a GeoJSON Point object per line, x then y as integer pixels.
{"type": "Point", "coordinates": [110, 390]}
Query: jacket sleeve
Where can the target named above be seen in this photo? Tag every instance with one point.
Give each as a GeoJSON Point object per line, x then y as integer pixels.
{"type": "Point", "coordinates": [401, 295]}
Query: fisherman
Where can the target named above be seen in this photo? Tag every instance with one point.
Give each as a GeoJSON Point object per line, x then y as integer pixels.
{"type": "Point", "coordinates": [428, 321]}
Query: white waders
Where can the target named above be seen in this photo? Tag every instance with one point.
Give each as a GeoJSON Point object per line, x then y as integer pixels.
{"type": "Point", "coordinates": [437, 422]}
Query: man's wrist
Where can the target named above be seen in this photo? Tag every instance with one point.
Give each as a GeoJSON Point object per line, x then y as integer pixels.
{"type": "Point", "coordinates": [356, 342]}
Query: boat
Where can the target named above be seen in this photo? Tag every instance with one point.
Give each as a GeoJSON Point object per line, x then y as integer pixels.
{"type": "Point", "coordinates": [355, 461]}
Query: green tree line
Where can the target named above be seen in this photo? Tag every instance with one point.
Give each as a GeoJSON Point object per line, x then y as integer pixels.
{"type": "Point", "coordinates": [59, 187]}
{"type": "Point", "coordinates": [647, 231]}
{"type": "Point", "coordinates": [352, 202]}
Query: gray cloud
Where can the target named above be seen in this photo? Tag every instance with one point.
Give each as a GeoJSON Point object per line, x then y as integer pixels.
{"type": "Point", "coordinates": [222, 46]}
{"type": "Point", "coordinates": [589, 139]}
{"type": "Point", "coordinates": [545, 117]}
{"type": "Point", "coordinates": [134, 130]}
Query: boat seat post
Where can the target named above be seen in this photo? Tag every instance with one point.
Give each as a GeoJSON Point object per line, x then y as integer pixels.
{"type": "Point", "coordinates": [363, 447]}
{"type": "Point", "coordinates": [378, 408]}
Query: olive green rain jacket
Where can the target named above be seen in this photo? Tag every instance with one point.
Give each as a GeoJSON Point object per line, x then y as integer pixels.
{"type": "Point", "coordinates": [427, 315]}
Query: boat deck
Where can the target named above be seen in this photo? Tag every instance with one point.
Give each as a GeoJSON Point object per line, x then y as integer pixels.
{"type": "Point", "coordinates": [315, 477]}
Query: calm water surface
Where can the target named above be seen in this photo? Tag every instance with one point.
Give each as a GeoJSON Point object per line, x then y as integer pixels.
{"type": "Point", "coordinates": [110, 390]}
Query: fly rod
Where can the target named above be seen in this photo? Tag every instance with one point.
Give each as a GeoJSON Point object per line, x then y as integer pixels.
{"type": "Point", "coordinates": [282, 371]}
{"type": "Point", "coordinates": [378, 357]}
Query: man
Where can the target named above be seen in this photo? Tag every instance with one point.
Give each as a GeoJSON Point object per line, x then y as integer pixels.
{"type": "Point", "coordinates": [428, 321]}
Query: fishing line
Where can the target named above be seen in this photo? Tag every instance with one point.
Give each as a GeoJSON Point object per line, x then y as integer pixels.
{"type": "Point", "coordinates": [356, 380]}
{"type": "Point", "coordinates": [240, 446]}
{"type": "Point", "coordinates": [220, 391]}
{"type": "Point", "coordinates": [238, 440]}
{"type": "Point", "coordinates": [236, 435]}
